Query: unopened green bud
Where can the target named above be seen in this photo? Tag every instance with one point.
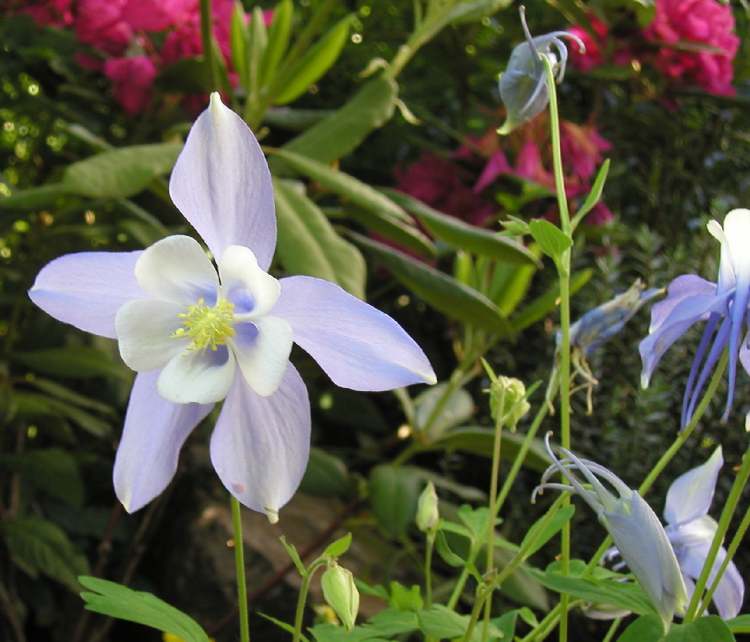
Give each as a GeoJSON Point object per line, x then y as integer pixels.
{"type": "Point", "coordinates": [427, 509]}
{"type": "Point", "coordinates": [341, 594]}
{"type": "Point", "coordinates": [511, 393]}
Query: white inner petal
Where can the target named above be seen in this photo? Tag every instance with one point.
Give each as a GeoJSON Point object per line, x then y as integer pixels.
{"type": "Point", "coordinates": [145, 333]}
{"type": "Point", "coordinates": [177, 269]}
{"type": "Point", "coordinates": [252, 291]}
{"type": "Point", "coordinates": [198, 376]}
{"type": "Point", "coordinates": [737, 233]}
{"type": "Point", "coordinates": [262, 349]}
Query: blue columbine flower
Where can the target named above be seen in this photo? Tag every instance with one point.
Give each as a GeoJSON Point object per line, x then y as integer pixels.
{"type": "Point", "coordinates": [691, 531]}
{"type": "Point", "coordinates": [523, 87]}
{"type": "Point", "coordinates": [724, 307]}
{"type": "Point", "coordinates": [633, 525]}
{"type": "Point", "coordinates": [197, 336]}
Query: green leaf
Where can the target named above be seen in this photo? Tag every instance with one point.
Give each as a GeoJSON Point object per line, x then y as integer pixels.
{"type": "Point", "coordinates": [339, 547]}
{"type": "Point", "coordinates": [703, 629]}
{"type": "Point", "coordinates": [51, 470]}
{"type": "Point", "coordinates": [281, 624]}
{"type": "Point", "coordinates": [295, 120]}
{"type": "Point", "coordinates": [30, 404]}
{"type": "Point", "coordinates": [441, 291]}
{"type": "Point", "coordinates": [405, 234]}
{"type": "Point", "coordinates": [291, 550]}
{"type": "Point", "coordinates": [316, 61]}
{"type": "Point", "coordinates": [72, 363]}
{"type": "Point", "coordinates": [344, 130]}
{"type": "Point", "coordinates": [258, 41]}
{"type": "Point", "coordinates": [342, 184]}
{"type": "Point", "coordinates": [445, 552]}
{"type": "Point", "coordinates": [462, 235]}
{"type": "Point", "coordinates": [325, 476]}
{"type": "Point", "coordinates": [406, 599]}
{"type": "Point", "coordinates": [547, 302]}
{"type": "Point", "coordinates": [441, 623]}
{"type": "Point", "coordinates": [66, 394]}
{"type": "Point", "coordinates": [473, 10]}
{"type": "Point", "coordinates": [389, 623]}
{"type": "Point", "coordinates": [456, 409]}
{"type": "Point", "coordinates": [394, 492]}
{"type": "Point", "coordinates": [647, 628]}
{"type": "Point", "coordinates": [553, 241]}
{"type": "Point", "coordinates": [308, 244]}
{"type": "Point", "coordinates": [122, 172]}
{"type": "Point", "coordinates": [593, 196]}
{"type": "Point", "coordinates": [739, 624]}
{"type": "Point", "coordinates": [188, 75]}
{"type": "Point", "coordinates": [238, 39]}
{"type": "Point", "coordinates": [39, 546]}
{"type": "Point", "coordinates": [278, 40]}
{"type": "Point", "coordinates": [479, 441]}
{"type": "Point", "coordinates": [545, 528]}
{"type": "Point", "coordinates": [34, 197]}
{"type": "Point", "coordinates": [117, 601]}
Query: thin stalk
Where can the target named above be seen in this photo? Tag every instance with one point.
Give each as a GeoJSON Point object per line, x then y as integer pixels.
{"type": "Point", "coordinates": [563, 269]}
{"type": "Point", "coordinates": [612, 630]}
{"type": "Point", "coordinates": [458, 589]}
{"type": "Point", "coordinates": [726, 517]}
{"type": "Point", "coordinates": [208, 50]}
{"type": "Point", "coordinates": [428, 569]}
{"type": "Point", "coordinates": [548, 623]}
{"type": "Point", "coordinates": [239, 562]}
{"type": "Point", "coordinates": [733, 546]}
{"type": "Point", "coordinates": [302, 599]}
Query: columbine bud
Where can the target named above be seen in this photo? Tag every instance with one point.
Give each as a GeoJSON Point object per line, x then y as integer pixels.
{"type": "Point", "coordinates": [427, 509]}
{"type": "Point", "coordinates": [633, 525]}
{"type": "Point", "coordinates": [523, 86]}
{"type": "Point", "coordinates": [512, 394]}
{"type": "Point", "coordinates": [341, 594]}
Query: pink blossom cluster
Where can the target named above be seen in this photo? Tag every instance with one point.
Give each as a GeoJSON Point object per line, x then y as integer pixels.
{"type": "Point", "coordinates": [689, 41]}
{"type": "Point", "coordinates": [135, 39]}
{"type": "Point", "coordinates": [449, 186]}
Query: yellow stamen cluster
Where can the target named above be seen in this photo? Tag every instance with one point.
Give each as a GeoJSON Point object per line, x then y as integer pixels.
{"type": "Point", "coordinates": [207, 327]}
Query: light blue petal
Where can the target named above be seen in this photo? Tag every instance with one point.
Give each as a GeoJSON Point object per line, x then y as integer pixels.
{"type": "Point", "coordinates": [686, 285]}
{"type": "Point", "coordinates": [358, 346]}
{"type": "Point", "coordinates": [261, 445]}
{"type": "Point", "coordinates": [690, 495]}
{"type": "Point", "coordinates": [222, 185]}
{"type": "Point", "coordinates": [87, 288]}
{"type": "Point", "coordinates": [154, 432]}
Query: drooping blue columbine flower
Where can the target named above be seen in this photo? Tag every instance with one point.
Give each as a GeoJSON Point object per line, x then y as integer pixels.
{"type": "Point", "coordinates": [196, 337]}
{"type": "Point", "coordinates": [523, 87]}
{"type": "Point", "coordinates": [723, 305]}
{"type": "Point", "coordinates": [691, 531]}
{"type": "Point", "coordinates": [633, 525]}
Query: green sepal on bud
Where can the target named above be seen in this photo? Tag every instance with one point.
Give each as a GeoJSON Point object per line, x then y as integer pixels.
{"type": "Point", "coordinates": [341, 594]}
{"type": "Point", "coordinates": [427, 509]}
{"type": "Point", "coordinates": [508, 404]}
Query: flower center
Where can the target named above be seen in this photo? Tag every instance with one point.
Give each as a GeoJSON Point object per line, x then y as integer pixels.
{"type": "Point", "coordinates": [208, 327]}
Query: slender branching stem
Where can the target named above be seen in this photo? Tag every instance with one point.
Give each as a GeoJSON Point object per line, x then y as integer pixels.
{"type": "Point", "coordinates": [239, 562]}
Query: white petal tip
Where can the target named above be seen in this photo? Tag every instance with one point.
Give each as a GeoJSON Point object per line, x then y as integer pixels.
{"type": "Point", "coordinates": [747, 422]}
{"type": "Point", "coordinates": [272, 514]}
{"type": "Point", "coordinates": [215, 99]}
{"type": "Point", "coordinates": [645, 379]}
{"type": "Point", "coordinates": [430, 379]}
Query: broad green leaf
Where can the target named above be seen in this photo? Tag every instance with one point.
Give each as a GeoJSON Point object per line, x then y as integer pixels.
{"type": "Point", "coordinates": [122, 172]}
{"type": "Point", "coordinates": [406, 599]}
{"type": "Point", "coordinates": [647, 628]}
{"type": "Point", "coordinates": [593, 196]}
{"type": "Point", "coordinates": [316, 62]}
{"type": "Point", "coordinates": [455, 410]}
{"type": "Point", "coordinates": [344, 130]}
{"type": "Point", "coordinates": [51, 470]}
{"type": "Point", "coordinates": [39, 546]}
{"type": "Point", "coordinates": [553, 241]}
{"type": "Point", "coordinates": [441, 623]}
{"type": "Point", "coordinates": [394, 492]}
{"type": "Point", "coordinates": [710, 628]}
{"type": "Point", "coordinates": [34, 197]}
{"type": "Point", "coordinates": [117, 601]}
{"type": "Point", "coordinates": [479, 441]}
{"type": "Point", "coordinates": [31, 404]}
{"type": "Point", "coordinates": [291, 550]}
{"type": "Point", "coordinates": [462, 235]}
{"type": "Point", "coordinates": [325, 476]}
{"type": "Point", "coordinates": [441, 291]}
{"type": "Point", "coordinates": [342, 184]}
{"type": "Point", "coordinates": [278, 41]}
{"type": "Point", "coordinates": [547, 302]}
{"type": "Point", "coordinates": [308, 244]}
{"type": "Point", "coordinates": [72, 363]}
{"type": "Point", "coordinates": [339, 547]}
{"type": "Point", "coordinates": [66, 394]}
{"type": "Point", "coordinates": [445, 552]}
{"type": "Point", "coordinates": [395, 229]}
{"type": "Point", "coordinates": [510, 283]}
{"type": "Point", "coordinates": [389, 623]}
{"type": "Point", "coordinates": [545, 528]}
{"type": "Point", "coordinates": [295, 120]}
{"type": "Point", "coordinates": [739, 624]}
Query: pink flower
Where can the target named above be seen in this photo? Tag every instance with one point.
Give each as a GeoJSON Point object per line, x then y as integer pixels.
{"type": "Point", "coordinates": [100, 23]}
{"type": "Point", "coordinates": [529, 165]}
{"type": "Point", "coordinates": [132, 79]}
{"type": "Point", "coordinates": [185, 40]}
{"type": "Point", "coordinates": [497, 165]}
{"type": "Point", "coordinates": [158, 15]}
{"type": "Point", "coordinates": [593, 56]}
{"type": "Point", "coordinates": [53, 13]}
{"type": "Point", "coordinates": [703, 22]}
{"type": "Point", "coordinates": [582, 148]}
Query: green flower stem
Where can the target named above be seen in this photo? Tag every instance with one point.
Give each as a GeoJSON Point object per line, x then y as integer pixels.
{"type": "Point", "coordinates": [458, 588]}
{"type": "Point", "coordinates": [490, 543]}
{"type": "Point", "coordinates": [239, 562]}
{"type": "Point", "coordinates": [563, 269]}
{"type": "Point", "coordinates": [428, 569]}
{"type": "Point", "coordinates": [612, 630]}
{"type": "Point", "coordinates": [206, 39]}
{"type": "Point", "coordinates": [724, 521]}
{"type": "Point", "coordinates": [733, 546]}
{"type": "Point", "coordinates": [669, 454]}
{"type": "Point", "coordinates": [299, 614]}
